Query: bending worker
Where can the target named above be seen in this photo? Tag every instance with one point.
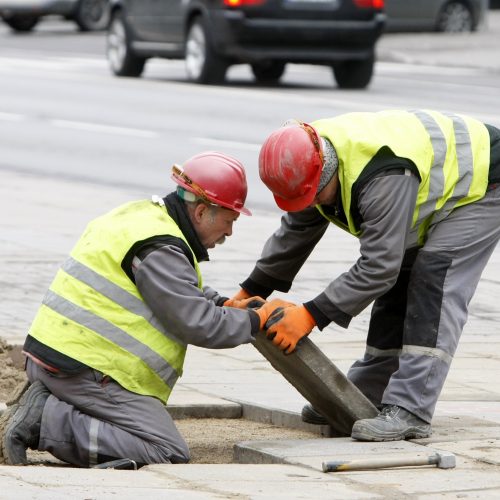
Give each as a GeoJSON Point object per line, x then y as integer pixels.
{"type": "Point", "coordinates": [108, 343]}
{"type": "Point", "coordinates": [419, 190]}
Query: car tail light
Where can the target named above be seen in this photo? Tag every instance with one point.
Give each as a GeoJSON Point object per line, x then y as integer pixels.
{"type": "Point", "coordinates": [370, 4]}
{"type": "Point", "coordinates": [242, 3]}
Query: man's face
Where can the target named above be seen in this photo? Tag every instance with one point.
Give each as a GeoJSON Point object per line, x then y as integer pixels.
{"type": "Point", "coordinates": [328, 194]}
{"type": "Point", "coordinates": [215, 224]}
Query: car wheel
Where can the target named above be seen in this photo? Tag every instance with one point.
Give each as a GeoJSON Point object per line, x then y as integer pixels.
{"type": "Point", "coordinates": [203, 64]}
{"type": "Point", "coordinates": [455, 17]}
{"type": "Point", "coordinates": [354, 74]}
{"type": "Point", "coordinates": [121, 59]}
{"type": "Point", "coordinates": [268, 71]}
{"type": "Point", "coordinates": [92, 15]}
{"type": "Point", "coordinates": [21, 23]}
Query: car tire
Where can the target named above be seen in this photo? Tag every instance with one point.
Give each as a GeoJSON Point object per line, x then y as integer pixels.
{"type": "Point", "coordinates": [354, 74]}
{"type": "Point", "coordinates": [203, 64]}
{"type": "Point", "coordinates": [92, 15]}
{"type": "Point", "coordinates": [455, 17]}
{"type": "Point", "coordinates": [269, 71]}
{"type": "Point", "coordinates": [21, 23]}
{"type": "Point", "coordinates": [121, 58]}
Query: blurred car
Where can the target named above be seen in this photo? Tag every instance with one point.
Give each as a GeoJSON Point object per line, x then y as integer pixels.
{"type": "Point", "coordinates": [23, 15]}
{"type": "Point", "coordinates": [211, 35]}
{"type": "Point", "coordinates": [435, 15]}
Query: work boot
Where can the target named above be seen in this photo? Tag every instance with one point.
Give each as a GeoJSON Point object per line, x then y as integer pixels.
{"type": "Point", "coordinates": [313, 416]}
{"type": "Point", "coordinates": [20, 425]}
{"type": "Point", "coordinates": [393, 423]}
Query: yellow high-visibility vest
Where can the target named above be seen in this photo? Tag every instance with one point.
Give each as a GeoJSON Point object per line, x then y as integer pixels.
{"type": "Point", "coordinates": [94, 313]}
{"type": "Point", "coordinates": [451, 153]}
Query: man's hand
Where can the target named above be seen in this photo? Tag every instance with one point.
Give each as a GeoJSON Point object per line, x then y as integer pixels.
{"type": "Point", "coordinates": [240, 295]}
{"type": "Point", "coordinates": [288, 325]}
{"type": "Point", "coordinates": [271, 307]}
{"type": "Point", "coordinates": [250, 302]}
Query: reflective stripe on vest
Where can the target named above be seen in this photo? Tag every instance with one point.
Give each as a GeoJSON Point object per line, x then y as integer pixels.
{"type": "Point", "coordinates": [109, 331]}
{"type": "Point", "coordinates": [437, 183]}
{"type": "Point", "coordinates": [94, 313]}
{"type": "Point", "coordinates": [116, 294]}
{"type": "Point", "coordinates": [451, 153]}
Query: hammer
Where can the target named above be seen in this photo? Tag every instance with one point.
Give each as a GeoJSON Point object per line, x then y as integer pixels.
{"type": "Point", "coordinates": [442, 459]}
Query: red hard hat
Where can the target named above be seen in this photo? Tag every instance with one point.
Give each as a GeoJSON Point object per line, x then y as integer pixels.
{"type": "Point", "coordinates": [216, 177]}
{"type": "Point", "coordinates": [290, 164]}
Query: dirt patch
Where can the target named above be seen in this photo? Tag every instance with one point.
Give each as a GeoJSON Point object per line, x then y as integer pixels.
{"type": "Point", "coordinates": [11, 370]}
{"type": "Point", "coordinates": [210, 440]}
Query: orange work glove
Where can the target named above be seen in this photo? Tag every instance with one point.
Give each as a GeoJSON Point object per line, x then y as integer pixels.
{"type": "Point", "coordinates": [269, 308]}
{"type": "Point", "coordinates": [251, 302]}
{"type": "Point", "coordinates": [288, 326]}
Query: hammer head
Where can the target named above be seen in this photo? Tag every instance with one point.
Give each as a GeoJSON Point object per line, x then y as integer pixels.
{"type": "Point", "coordinates": [445, 460]}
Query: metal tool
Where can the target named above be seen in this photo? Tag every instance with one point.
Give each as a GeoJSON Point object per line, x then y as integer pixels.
{"type": "Point", "coordinates": [442, 460]}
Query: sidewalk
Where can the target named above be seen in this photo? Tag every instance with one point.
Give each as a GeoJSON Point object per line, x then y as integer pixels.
{"type": "Point", "coordinates": [39, 232]}
{"type": "Point", "coordinates": [470, 50]}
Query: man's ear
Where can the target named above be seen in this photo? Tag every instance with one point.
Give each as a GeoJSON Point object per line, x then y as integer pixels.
{"type": "Point", "coordinates": [199, 211]}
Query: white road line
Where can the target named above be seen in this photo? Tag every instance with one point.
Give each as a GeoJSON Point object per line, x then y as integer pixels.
{"type": "Point", "coordinates": [107, 129]}
{"type": "Point", "coordinates": [11, 117]}
{"type": "Point", "coordinates": [208, 141]}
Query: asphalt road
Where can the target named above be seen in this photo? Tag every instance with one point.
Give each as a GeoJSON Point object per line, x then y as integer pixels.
{"type": "Point", "coordinates": [63, 114]}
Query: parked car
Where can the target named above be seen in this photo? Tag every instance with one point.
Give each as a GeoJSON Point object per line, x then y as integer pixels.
{"type": "Point", "coordinates": [435, 15]}
{"type": "Point", "coordinates": [211, 35]}
{"type": "Point", "coordinates": [23, 15]}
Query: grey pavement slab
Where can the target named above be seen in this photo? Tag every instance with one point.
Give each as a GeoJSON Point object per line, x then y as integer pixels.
{"type": "Point", "coordinates": [481, 450]}
{"type": "Point", "coordinates": [177, 482]}
{"type": "Point", "coordinates": [320, 382]}
{"type": "Point", "coordinates": [313, 452]}
{"type": "Point", "coordinates": [187, 403]}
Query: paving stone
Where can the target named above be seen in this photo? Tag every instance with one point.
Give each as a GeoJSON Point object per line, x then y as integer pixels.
{"type": "Point", "coordinates": [320, 382]}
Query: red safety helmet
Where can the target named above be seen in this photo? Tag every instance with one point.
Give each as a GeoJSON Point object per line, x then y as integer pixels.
{"type": "Point", "coordinates": [216, 178]}
{"type": "Point", "coordinates": [290, 164]}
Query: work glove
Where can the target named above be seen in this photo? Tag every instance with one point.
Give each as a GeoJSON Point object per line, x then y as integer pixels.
{"type": "Point", "coordinates": [250, 302]}
{"type": "Point", "coordinates": [288, 325]}
{"type": "Point", "coordinates": [271, 307]}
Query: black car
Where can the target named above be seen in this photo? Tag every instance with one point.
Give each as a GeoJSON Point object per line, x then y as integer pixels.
{"type": "Point", "coordinates": [211, 35]}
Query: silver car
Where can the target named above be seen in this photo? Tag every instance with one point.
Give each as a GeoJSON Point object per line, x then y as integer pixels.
{"type": "Point", "coordinates": [435, 15]}
{"type": "Point", "coordinates": [23, 15]}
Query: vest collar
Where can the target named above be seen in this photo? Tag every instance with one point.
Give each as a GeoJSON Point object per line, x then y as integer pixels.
{"type": "Point", "coordinates": [178, 211]}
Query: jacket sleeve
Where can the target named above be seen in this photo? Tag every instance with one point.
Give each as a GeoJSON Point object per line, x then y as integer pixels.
{"type": "Point", "coordinates": [168, 283]}
{"type": "Point", "coordinates": [386, 205]}
{"type": "Point", "coordinates": [285, 252]}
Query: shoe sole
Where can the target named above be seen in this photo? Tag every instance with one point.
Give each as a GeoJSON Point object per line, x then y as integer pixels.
{"type": "Point", "coordinates": [312, 417]}
{"type": "Point", "coordinates": [10, 418]}
{"type": "Point", "coordinates": [365, 433]}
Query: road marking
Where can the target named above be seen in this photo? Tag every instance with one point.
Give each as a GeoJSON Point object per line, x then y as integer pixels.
{"type": "Point", "coordinates": [11, 117]}
{"type": "Point", "coordinates": [107, 129]}
{"type": "Point", "coordinates": [208, 141]}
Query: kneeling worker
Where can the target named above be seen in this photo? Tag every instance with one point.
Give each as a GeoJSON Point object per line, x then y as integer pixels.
{"type": "Point", "coordinates": [108, 343]}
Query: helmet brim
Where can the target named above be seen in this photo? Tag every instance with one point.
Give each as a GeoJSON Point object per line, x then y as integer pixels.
{"type": "Point", "coordinates": [297, 204]}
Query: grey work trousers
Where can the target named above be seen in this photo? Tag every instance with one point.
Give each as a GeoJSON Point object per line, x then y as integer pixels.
{"type": "Point", "coordinates": [90, 419]}
{"type": "Point", "coordinates": [415, 328]}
